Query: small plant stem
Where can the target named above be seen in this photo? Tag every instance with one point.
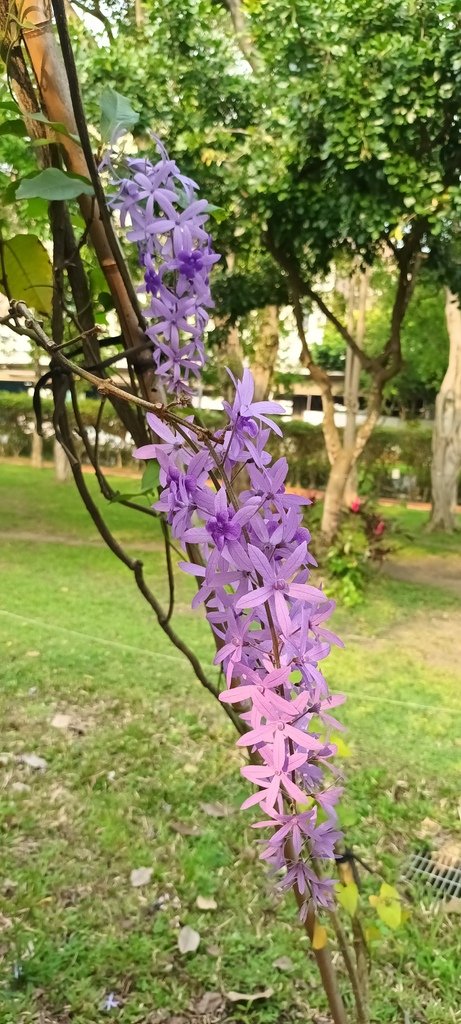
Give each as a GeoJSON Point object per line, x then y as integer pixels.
{"type": "Point", "coordinates": [359, 995]}
{"type": "Point", "coordinates": [322, 956]}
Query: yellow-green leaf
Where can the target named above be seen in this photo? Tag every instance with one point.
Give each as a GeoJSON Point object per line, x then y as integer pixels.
{"type": "Point", "coordinates": [342, 748]}
{"type": "Point", "coordinates": [27, 273]}
{"type": "Point", "coordinates": [320, 936]}
{"type": "Point", "coordinates": [348, 897]}
{"type": "Point", "coordinates": [387, 892]}
{"type": "Point", "coordinates": [388, 906]}
{"type": "Point", "coordinates": [372, 933]}
{"type": "Point", "coordinates": [390, 913]}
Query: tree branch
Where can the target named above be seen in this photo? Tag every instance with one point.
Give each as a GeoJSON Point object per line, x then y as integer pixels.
{"type": "Point", "coordinates": [242, 34]}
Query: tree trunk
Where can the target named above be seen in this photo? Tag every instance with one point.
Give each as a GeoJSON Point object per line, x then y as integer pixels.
{"type": "Point", "coordinates": [334, 495]}
{"type": "Point", "coordinates": [230, 358]}
{"type": "Point", "coordinates": [265, 352]}
{"type": "Point", "coordinates": [343, 461]}
{"type": "Point", "coordinates": [357, 321]}
{"type": "Point", "coordinates": [61, 464]}
{"type": "Point", "coordinates": [37, 450]}
{"type": "Point", "coordinates": [446, 437]}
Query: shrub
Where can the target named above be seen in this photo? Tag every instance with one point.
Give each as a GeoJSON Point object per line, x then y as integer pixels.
{"type": "Point", "coordinates": [406, 449]}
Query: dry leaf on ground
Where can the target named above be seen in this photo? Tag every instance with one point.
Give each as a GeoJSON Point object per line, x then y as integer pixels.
{"type": "Point", "coordinates": [251, 997]}
{"type": "Point", "coordinates": [206, 903]}
{"type": "Point", "coordinates": [33, 761]}
{"type": "Point", "coordinates": [283, 963]}
{"type": "Point", "coordinates": [209, 1003]}
{"type": "Point", "coordinates": [140, 876]}
{"type": "Point", "coordinates": [188, 940]}
{"type": "Point", "coordinates": [217, 810]}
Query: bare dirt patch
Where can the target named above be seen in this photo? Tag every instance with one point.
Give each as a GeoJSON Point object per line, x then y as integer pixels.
{"type": "Point", "coordinates": [429, 570]}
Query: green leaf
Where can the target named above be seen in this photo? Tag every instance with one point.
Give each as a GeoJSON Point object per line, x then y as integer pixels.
{"type": "Point", "coordinates": [150, 477]}
{"type": "Point", "coordinates": [348, 897]}
{"type": "Point", "coordinates": [28, 272]}
{"type": "Point", "coordinates": [117, 115]}
{"type": "Point", "coordinates": [218, 213]}
{"type": "Point", "coordinates": [57, 127]}
{"type": "Point", "coordinates": [9, 105]}
{"type": "Point", "coordinates": [347, 817]}
{"type": "Point", "coordinates": [106, 301]}
{"type": "Point", "coordinates": [13, 126]}
{"type": "Point", "coordinates": [54, 184]}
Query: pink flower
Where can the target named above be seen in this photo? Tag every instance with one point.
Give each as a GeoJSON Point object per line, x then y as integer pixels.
{"type": "Point", "coordinates": [355, 504]}
{"type": "Point", "coordinates": [379, 528]}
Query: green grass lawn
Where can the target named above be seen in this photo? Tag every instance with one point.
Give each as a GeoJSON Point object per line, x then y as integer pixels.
{"type": "Point", "coordinates": [130, 779]}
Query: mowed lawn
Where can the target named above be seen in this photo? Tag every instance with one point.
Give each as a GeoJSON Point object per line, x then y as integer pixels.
{"type": "Point", "coordinates": [139, 760]}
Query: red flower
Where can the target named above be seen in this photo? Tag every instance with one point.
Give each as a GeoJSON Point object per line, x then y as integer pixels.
{"type": "Point", "coordinates": [379, 528]}
{"type": "Point", "coordinates": [356, 505]}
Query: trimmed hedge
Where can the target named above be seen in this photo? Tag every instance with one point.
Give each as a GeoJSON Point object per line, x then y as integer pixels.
{"type": "Point", "coordinates": [17, 424]}
{"type": "Point", "coordinates": [407, 448]}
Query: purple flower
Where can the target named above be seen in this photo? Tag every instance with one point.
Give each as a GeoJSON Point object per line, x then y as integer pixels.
{"type": "Point", "coordinates": [110, 1002]}
{"type": "Point", "coordinates": [271, 780]}
{"type": "Point", "coordinates": [276, 586]}
{"type": "Point", "coordinates": [244, 411]}
{"type": "Point", "coordinates": [252, 571]}
{"type": "Point", "coordinates": [159, 209]}
{"type": "Point", "coordinates": [223, 525]}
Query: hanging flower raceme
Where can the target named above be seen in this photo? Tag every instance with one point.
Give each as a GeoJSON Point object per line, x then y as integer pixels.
{"type": "Point", "coordinates": [268, 620]}
{"type": "Point", "coordinates": [159, 209]}
{"type": "Point", "coordinates": [267, 616]}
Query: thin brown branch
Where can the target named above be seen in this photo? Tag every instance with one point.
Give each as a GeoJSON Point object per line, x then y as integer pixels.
{"type": "Point", "coordinates": [169, 567]}
{"type": "Point", "coordinates": [330, 430]}
{"type": "Point", "coordinates": [360, 1005]}
{"type": "Point", "coordinates": [322, 956]}
{"type": "Point", "coordinates": [96, 12]}
{"type": "Point", "coordinates": [298, 286]}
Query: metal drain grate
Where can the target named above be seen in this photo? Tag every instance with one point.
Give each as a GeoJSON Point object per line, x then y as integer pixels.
{"type": "Point", "coordinates": [430, 868]}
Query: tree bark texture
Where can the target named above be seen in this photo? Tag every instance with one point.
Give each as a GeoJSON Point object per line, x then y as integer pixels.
{"type": "Point", "coordinates": [265, 352]}
{"type": "Point", "coordinates": [446, 437]}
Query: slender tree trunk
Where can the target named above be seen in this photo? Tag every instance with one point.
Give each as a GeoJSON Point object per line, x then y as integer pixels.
{"type": "Point", "coordinates": [358, 306]}
{"type": "Point", "coordinates": [343, 461]}
{"type": "Point", "coordinates": [334, 494]}
{"type": "Point", "coordinates": [446, 437]}
{"type": "Point", "coordinates": [36, 455]}
{"type": "Point", "coordinates": [61, 464]}
{"type": "Point", "coordinates": [265, 352]}
{"type": "Point", "coordinates": [230, 357]}
{"type": "Point", "coordinates": [139, 15]}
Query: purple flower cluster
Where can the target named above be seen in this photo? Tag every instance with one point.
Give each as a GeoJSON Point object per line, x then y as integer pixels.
{"type": "Point", "coordinates": [159, 208]}
{"type": "Point", "coordinates": [268, 619]}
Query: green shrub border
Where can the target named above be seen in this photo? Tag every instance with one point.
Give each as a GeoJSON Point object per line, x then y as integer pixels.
{"type": "Point", "coordinates": [406, 448]}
